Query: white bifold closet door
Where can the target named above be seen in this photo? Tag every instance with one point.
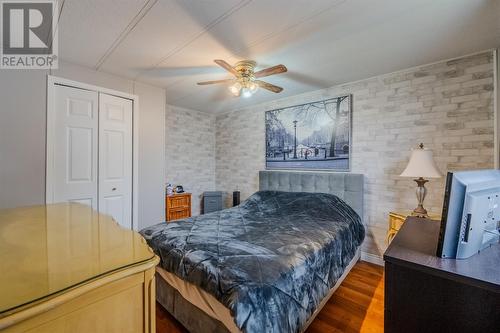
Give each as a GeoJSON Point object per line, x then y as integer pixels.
{"type": "Point", "coordinates": [75, 140]}
{"type": "Point", "coordinates": [92, 151]}
{"type": "Point", "coordinates": [115, 158]}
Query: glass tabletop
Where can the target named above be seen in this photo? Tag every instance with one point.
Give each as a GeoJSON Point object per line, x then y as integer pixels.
{"type": "Point", "coordinates": [50, 248]}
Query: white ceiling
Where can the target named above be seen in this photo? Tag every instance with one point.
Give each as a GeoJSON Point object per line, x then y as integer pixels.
{"type": "Point", "coordinates": [172, 43]}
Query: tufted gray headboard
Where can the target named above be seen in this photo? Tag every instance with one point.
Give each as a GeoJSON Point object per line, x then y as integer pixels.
{"type": "Point", "coordinates": [347, 186]}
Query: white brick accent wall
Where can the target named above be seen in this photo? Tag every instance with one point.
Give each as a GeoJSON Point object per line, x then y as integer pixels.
{"type": "Point", "coordinates": [190, 152]}
{"type": "Point", "coordinates": [447, 105]}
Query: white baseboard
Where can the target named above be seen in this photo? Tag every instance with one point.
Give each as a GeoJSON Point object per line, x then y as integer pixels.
{"type": "Point", "coordinates": [372, 258]}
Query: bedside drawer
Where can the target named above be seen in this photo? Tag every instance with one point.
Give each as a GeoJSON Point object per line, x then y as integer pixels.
{"type": "Point", "coordinates": [178, 213]}
{"type": "Point", "coordinates": [181, 201]}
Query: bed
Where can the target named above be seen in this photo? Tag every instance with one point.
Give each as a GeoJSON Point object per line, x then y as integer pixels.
{"type": "Point", "coordinates": [267, 265]}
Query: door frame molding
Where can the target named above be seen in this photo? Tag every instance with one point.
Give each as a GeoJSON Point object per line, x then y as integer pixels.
{"type": "Point", "coordinates": [52, 82]}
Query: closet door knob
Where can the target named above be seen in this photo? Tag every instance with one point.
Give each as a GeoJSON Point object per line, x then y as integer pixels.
{"type": "Point", "coordinates": [113, 189]}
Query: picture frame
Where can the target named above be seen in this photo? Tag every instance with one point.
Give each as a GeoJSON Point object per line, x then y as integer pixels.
{"type": "Point", "coordinates": [301, 136]}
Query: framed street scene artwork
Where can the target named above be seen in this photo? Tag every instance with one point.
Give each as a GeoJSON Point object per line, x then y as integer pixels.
{"type": "Point", "coordinates": [310, 136]}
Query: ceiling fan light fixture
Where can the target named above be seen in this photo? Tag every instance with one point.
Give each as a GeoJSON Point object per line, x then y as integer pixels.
{"type": "Point", "coordinates": [245, 83]}
{"type": "Point", "coordinates": [246, 92]}
{"type": "Point", "coordinates": [253, 87]}
{"type": "Point", "coordinates": [235, 88]}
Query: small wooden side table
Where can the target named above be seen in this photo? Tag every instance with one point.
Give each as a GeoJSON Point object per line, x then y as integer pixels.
{"type": "Point", "coordinates": [178, 206]}
{"type": "Point", "coordinates": [396, 220]}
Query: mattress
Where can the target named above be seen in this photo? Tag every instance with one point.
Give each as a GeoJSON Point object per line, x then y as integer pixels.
{"type": "Point", "coordinates": [269, 261]}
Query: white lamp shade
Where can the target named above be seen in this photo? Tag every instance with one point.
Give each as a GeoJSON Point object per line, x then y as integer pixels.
{"type": "Point", "coordinates": [421, 164]}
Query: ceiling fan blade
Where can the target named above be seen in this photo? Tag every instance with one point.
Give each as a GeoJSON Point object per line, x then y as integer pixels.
{"type": "Point", "coordinates": [227, 67]}
{"type": "Point", "coordinates": [271, 71]}
{"type": "Point", "coordinates": [268, 86]}
{"type": "Point", "coordinates": [214, 82]}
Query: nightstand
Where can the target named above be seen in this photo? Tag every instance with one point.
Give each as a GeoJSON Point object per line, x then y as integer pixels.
{"type": "Point", "coordinates": [396, 220]}
{"type": "Point", "coordinates": [178, 206]}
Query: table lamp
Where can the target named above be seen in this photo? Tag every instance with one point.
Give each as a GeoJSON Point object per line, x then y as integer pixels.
{"type": "Point", "coordinates": [421, 166]}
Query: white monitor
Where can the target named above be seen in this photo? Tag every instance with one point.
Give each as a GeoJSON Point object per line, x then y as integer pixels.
{"type": "Point", "coordinates": [471, 213]}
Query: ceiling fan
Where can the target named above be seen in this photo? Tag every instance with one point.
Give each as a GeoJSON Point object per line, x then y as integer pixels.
{"type": "Point", "coordinates": [245, 82]}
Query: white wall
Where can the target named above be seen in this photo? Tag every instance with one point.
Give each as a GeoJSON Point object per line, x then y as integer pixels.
{"type": "Point", "coordinates": [151, 158]}
{"type": "Point", "coordinates": [23, 130]}
{"type": "Point", "coordinates": [22, 137]}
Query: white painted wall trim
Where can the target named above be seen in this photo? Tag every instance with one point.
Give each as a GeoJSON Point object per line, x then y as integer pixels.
{"type": "Point", "coordinates": [52, 81]}
{"type": "Point", "coordinates": [496, 106]}
{"type": "Point", "coordinates": [372, 258]}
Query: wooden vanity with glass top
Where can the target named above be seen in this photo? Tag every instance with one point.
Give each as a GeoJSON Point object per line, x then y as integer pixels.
{"type": "Point", "coordinates": [67, 268]}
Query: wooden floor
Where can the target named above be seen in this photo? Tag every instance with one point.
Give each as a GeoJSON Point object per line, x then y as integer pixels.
{"type": "Point", "coordinates": [357, 306]}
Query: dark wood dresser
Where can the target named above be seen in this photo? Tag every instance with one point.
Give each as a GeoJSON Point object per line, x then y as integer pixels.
{"type": "Point", "coordinates": [178, 206]}
{"type": "Point", "coordinates": [424, 293]}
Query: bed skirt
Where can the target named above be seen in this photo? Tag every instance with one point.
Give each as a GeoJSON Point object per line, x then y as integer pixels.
{"type": "Point", "coordinates": [189, 315]}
